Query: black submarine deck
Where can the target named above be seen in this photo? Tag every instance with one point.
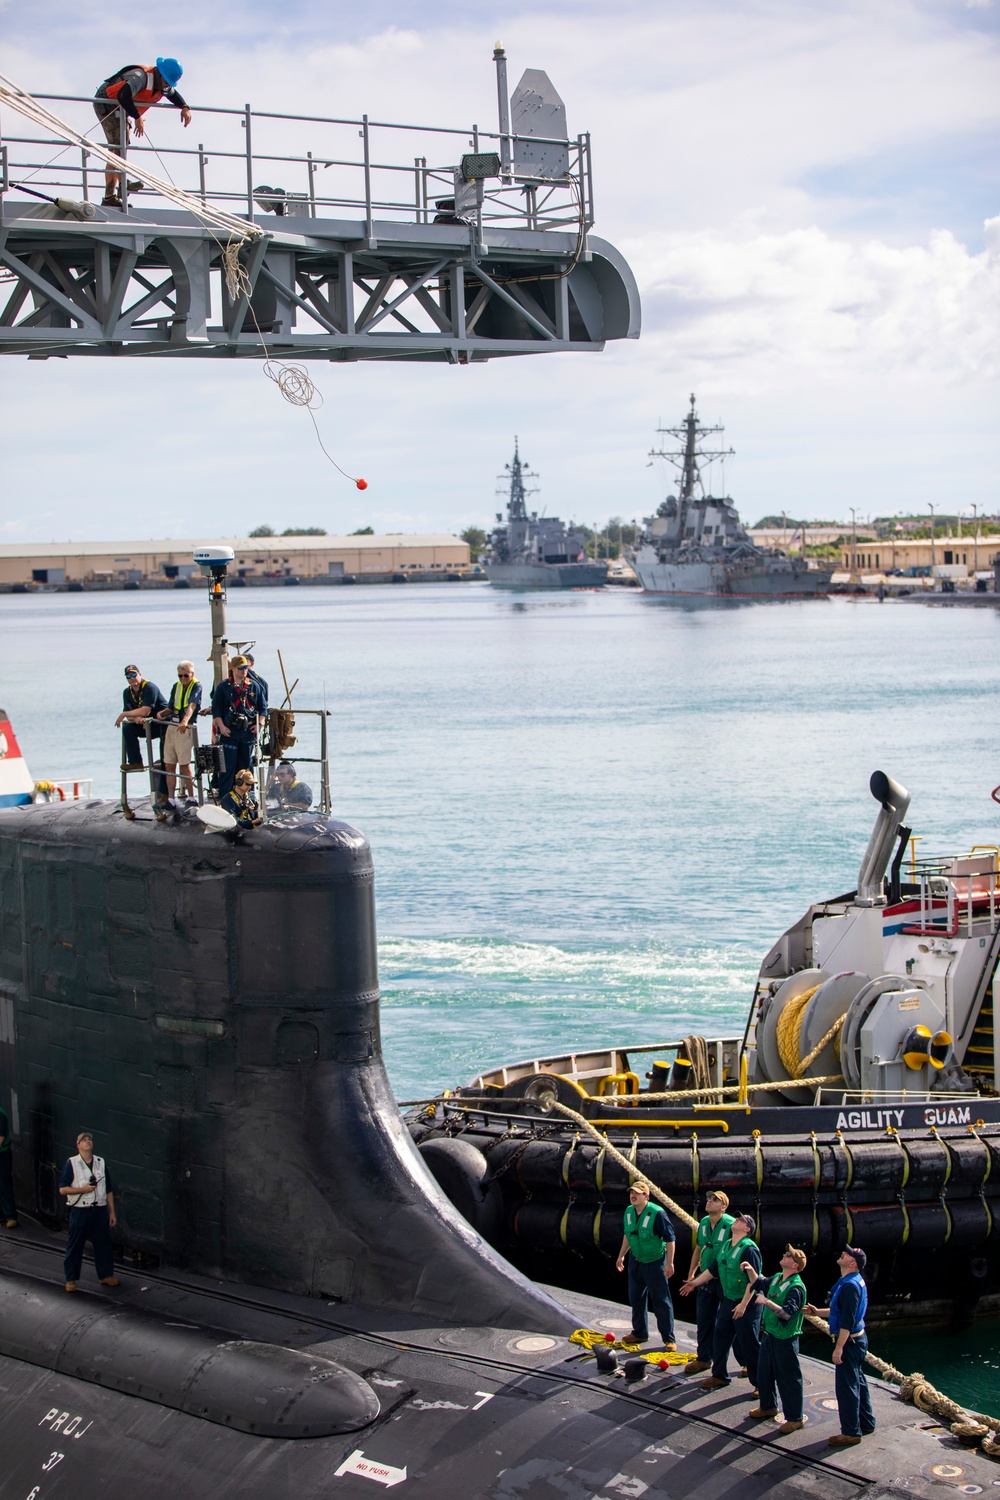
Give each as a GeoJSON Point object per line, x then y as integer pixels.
{"type": "Point", "coordinates": [464, 1412]}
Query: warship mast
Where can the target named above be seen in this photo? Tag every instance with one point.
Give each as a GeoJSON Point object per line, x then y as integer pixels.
{"type": "Point", "coordinates": [689, 434]}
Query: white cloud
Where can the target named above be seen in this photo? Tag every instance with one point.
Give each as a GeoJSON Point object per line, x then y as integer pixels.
{"type": "Point", "coordinates": [810, 300]}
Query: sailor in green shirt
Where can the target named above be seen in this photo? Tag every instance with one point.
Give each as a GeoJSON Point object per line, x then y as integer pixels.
{"type": "Point", "coordinates": [713, 1231]}
{"type": "Point", "coordinates": [738, 1319]}
{"type": "Point", "coordinates": [8, 1208]}
{"type": "Point", "coordinates": [648, 1245]}
{"type": "Point", "coordinates": [782, 1298]}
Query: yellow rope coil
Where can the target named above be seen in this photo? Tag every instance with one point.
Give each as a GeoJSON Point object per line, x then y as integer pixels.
{"type": "Point", "coordinates": [789, 1031]}
{"type": "Point", "coordinates": [789, 1036]}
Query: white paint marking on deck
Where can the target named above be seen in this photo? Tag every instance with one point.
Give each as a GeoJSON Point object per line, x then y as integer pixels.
{"type": "Point", "coordinates": [369, 1469]}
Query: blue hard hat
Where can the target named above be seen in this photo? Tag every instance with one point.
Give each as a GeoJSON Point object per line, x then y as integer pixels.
{"type": "Point", "coordinates": [169, 70]}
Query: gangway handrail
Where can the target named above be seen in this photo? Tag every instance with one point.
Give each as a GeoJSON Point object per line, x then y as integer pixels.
{"type": "Point", "coordinates": [566, 200]}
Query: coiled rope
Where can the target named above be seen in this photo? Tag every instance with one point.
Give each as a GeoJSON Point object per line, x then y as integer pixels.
{"type": "Point", "coordinates": [788, 1035]}
{"type": "Point", "coordinates": [293, 381]}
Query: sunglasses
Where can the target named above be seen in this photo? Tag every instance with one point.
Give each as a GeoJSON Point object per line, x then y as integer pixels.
{"type": "Point", "coordinates": [184, 674]}
{"type": "Point", "coordinates": [131, 674]}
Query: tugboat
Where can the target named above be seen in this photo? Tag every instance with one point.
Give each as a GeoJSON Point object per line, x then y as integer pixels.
{"type": "Point", "coordinates": [537, 552]}
{"type": "Point", "coordinates": [697, 545]}
{"type": "Point", "coordinates": [858, 1106]}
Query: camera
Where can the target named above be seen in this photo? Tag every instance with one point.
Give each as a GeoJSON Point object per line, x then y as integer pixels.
{"type": "Point", "coordinates": [238, 720]}
{"type": "Point", "coordinates": [93, 1180]}
{"type": "Point", "coordinates": [211, 760]}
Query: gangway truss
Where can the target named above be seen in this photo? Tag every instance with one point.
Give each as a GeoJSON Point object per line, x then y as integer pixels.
{"type": "Point", "coordinates": [382, 241]}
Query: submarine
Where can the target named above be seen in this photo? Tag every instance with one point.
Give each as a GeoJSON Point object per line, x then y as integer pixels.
{"type": "Point", "coordinates": [300, 1310]}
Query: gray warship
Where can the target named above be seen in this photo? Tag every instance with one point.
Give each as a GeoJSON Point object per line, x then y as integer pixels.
{"type": "Point", "coordinates": [537, 552]}
{"type": "Point", "coordinates": [697, 545]}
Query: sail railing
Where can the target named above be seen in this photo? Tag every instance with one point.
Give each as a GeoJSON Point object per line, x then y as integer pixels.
{"type": "Point", "coordinates": [354, 167]}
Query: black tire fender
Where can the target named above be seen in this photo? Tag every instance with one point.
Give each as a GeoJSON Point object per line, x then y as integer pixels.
{"type": "Point", "coordinates": [462, 1174]}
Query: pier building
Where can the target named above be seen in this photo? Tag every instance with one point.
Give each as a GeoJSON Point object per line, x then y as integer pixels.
{"type": "Point", "coordinates": [257, 558]}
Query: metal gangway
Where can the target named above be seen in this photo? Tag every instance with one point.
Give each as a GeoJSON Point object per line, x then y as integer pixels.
{"type": "Point", "coordinates": [365, 238]}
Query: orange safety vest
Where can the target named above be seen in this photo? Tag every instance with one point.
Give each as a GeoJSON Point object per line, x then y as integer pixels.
{"type": "Point", "coordinates": [145, 97]}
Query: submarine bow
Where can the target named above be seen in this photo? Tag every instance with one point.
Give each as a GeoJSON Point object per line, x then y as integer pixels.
{"type": "Point", "coordinates": [211, 1011]}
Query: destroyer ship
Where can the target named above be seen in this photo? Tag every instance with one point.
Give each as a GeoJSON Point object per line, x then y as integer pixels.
{"type": "Point", "coordinates": [697, 545]}
{"type": "Point", "coordinates": [537, 552]}
{"type": "Point", "coordinates": [858, 1106]}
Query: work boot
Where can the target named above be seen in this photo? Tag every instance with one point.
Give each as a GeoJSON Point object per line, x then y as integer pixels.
{"type": "Point", "coordinates": [633, 1341]}
{"type": "Point", "coordinates": [843, 1440]}
{"type": "Point", "coordinates": [11, 1224]}
{"type": "Point", "coordinates": [135, 187]}
{"type": "Point", "coordinates": [670, 1348]}
{"type": "Point", "coordinates": [758, 1413]}
{"type": "Point", "coordinates": [712, 1384]}
{"type": "Point", "coordinates": [867, 1431]}
{"type": "Point", "coordinates": [787, 1427]}
{"type": "Point", "coordinates": [110, 1281]}
{"type": "Point", "coordinates": [111, 200]}
{"type": "Point", "coordinates": [696, 1366]}
{"type": "Point", "coordinates": [71, 1286]}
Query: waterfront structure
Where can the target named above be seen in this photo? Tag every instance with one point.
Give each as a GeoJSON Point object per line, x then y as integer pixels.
{"type": "Point", "coordinates": [697, 545]}
{"type": "Point", "coordinates": [383, 241]}
{"type": "Point", "coordinates": [945, 556]}
{"type": "Point", "coordinates": [275, 557]}
{"type": "Point", "coordinates": [529, 551]}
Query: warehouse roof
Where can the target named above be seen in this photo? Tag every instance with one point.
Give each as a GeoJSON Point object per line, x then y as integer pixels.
{"type": "Point", "coordinates": [241, 545]}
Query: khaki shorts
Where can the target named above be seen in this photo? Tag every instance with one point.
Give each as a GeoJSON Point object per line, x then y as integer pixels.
{"type": "Point", "coordinates": [177, 746]}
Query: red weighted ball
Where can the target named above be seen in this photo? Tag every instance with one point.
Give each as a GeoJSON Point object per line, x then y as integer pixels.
{"type": "Point", "coordinates": [362, 484]}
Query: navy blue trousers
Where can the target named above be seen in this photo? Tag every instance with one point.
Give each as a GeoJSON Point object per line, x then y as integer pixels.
{"type": "Point", "coordinates": [134, 737]}
{"type": "Point", "coordinates": [132, 740]}
{"type": "Point", "coordinates": [89, 1224]}
{"type": "Point", "coordinates": [778, 1365]}
{"type": "Point", "coordinates": [8, 1208]}
{"type": "Point", "coordinates": [854, 1400]}
{"type": "Point", "coordinates": [649, 1287]}
{"type": "Point", "coordinates": [707, 1305]}
{"type": "Point", "coordinates": [239, 757]}
{"type": "Point", "coordinates": [741, 1334]}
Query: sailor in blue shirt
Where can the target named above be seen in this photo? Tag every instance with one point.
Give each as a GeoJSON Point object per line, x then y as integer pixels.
{"type": "Point", "coordinates": [140, 700]}
{"type": "Point", "coordinates": [239, 709]}
{"type": "Point", "coordinates": [848, 1304]}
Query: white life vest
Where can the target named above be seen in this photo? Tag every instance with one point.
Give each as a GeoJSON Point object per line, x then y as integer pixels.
{"type": "Point", "coordinates": [82, 1174]}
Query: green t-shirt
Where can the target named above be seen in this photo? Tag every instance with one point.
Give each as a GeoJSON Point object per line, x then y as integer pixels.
{"type": "Point", "coordinates": [710, 1239]}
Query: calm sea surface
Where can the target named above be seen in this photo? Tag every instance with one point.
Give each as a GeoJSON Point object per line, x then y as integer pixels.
{"type": "Point", "coordinates": [590, 814]}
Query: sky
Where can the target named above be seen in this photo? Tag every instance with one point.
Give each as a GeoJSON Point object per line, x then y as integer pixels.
{"type": "Point", "coordinates": [807, 191]}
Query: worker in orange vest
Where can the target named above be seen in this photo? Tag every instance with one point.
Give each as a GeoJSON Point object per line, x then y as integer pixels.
{"type": "Point", "coordinates": [132, 90]}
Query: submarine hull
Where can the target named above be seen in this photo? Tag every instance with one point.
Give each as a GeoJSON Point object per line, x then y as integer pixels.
{"type": "Point", "coordinates": [209, 1009]}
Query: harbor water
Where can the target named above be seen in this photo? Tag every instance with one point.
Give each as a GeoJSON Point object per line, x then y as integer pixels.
{"type": "Point", "coordinates": [591, 812]}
